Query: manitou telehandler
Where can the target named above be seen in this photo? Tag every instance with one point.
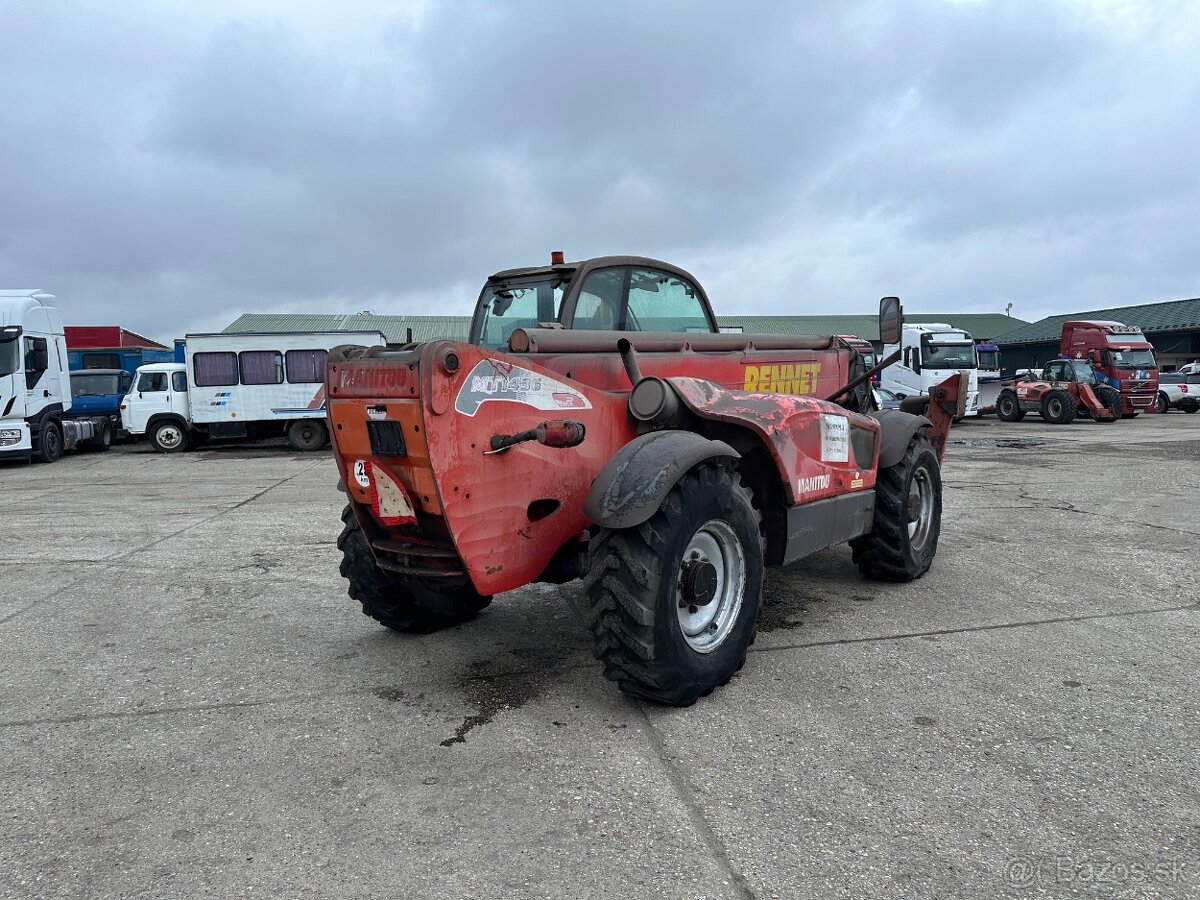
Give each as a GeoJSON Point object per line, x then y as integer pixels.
{"type": "Point", "coordinates": [598, 425]}
{"type": "Point", "coordinates": [1067, 389]}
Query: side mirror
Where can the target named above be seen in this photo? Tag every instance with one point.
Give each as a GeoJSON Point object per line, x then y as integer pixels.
{"type": "Point", "coordinates": [1094, 357]}
{"type": "Point", "coordinates": [891, 317]}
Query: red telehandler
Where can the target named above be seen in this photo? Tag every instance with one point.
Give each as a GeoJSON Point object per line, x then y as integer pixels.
{"type": "Point", "coordinates": [597, 425]}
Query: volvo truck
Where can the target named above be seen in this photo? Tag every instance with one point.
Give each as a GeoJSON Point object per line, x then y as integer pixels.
{"type": "Point", "coordinates": [931, 353]}
{"type": "Point", "coordinates": [1120, 355]}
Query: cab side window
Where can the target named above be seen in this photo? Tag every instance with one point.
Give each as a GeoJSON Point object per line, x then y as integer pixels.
{"type": "Point", "coordinates": [152, 381]}
{"type": "Point", "coordinates": [600, 299]}
{"type": "Point", "coordinates": [179, 382]}
{"type": "Point", "coordinates": [659, 301]}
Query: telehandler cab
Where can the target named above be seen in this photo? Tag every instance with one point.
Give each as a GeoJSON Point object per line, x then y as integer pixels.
{"type": "Point", "coordinates": [598, 425]}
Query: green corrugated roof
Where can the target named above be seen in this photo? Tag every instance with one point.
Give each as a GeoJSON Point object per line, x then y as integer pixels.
{"type": "Point", "coordinates": [1174, 315]}
{"type": "Point", "coordinates": [428, 328]}
{"type": "Point", "coordinates": [979, 325]}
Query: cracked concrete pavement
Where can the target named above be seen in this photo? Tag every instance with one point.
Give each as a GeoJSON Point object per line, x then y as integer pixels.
{"type": "Point", "coordinates": [192, 705]}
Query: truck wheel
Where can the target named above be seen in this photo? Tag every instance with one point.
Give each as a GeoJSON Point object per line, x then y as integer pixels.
{"type": "Point", "coordinates": [168, 437]}
{"type": "Point", "coordinates": [1111, 398]}
{"type": "Point", "coordinates": [1008, 409]}
{"type": "Point", "coordinates": [402, 602]}
{"type": "Point", "coordinates": [50, 447]}
{"type": "Point", "coordinates": [908, 517]}
{"type": "Point", "coordinates": [674, 601]}
{"type": "Point", "coordinates": [1058, 407]}
{"type": "Point", "coordinates": [1161, 403]}
{"type": "Point", "coordinates": [307, 434]}
{"type": "Point", "coordinates": [103, 440]}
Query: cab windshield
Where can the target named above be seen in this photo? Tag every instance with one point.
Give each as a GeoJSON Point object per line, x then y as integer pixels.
{"type": "Point", "coordinates": [505, 309]}
{"type": "Point", "coordinates": [948, 356]}
{"type": "Point", "coordinates": [989, 359]}
{"type": "Point", "coordinates": [1084, 374]}
{"type": "Point", "coordinates": [1133, 359]}
{"type": "Point", "coordinates": [94, 385]}
{"type": "Point", "coordinates": [10, 355]}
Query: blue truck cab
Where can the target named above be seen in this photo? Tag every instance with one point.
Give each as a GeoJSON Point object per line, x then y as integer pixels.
{"type": "Point", "coordinates": [99, 392]}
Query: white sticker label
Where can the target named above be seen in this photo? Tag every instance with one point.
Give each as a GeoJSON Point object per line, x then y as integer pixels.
{"type": "Point", "coordinates": [835, 438]}
{"type": "Point", "coordinates": [376, 414]}
{"type": "Point", "coordinates": [360, 473]}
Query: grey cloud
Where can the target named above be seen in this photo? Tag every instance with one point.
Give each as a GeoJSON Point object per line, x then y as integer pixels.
{"type": "Point", "coordinates": [175, 171]}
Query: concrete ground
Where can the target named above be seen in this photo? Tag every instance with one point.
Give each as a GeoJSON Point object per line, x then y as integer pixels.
{"type": "Point", "coordinates": [192, 706]}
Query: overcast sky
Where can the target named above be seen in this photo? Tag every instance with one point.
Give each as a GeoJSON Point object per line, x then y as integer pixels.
{"type": "Point", "coordinates": [170, 165]}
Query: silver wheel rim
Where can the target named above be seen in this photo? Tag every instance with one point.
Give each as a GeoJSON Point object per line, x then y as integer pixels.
{"type": "Point", "coordinates": [706, 627]}
{"type": "Point", "coordinates": [920, 509]}
{"type": "Point", "coordinates": [1055, 408]}
{"type": "Point", "coordinates": [169, 437]}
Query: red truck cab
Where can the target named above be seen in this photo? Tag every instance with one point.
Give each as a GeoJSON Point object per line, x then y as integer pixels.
{"type": "Point", "coordinates": [1120, 355]}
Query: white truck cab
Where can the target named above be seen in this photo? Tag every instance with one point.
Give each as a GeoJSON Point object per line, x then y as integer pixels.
{"type": "Point", "coordinates": [157, 404]}
{"type": "Point", "coordinates": [931, 353]}
{"type": "Point", "coordinates": [35, 385]}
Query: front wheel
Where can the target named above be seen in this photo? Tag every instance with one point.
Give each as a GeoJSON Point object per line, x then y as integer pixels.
{"type": "Point", "coordinates": [1008, 409]}
{"type": "Point", "coordinates": [50, 447]}
{"type": "Point", "coordinates": [1161, 403]}
{"type": "Point", "coordinates": [1058, 407]}
{"type": "Point", "coordinates": [675, 600]}
{"type": "Point", "coordinates": [1111, 398]}
{"type": "Point", "coordinates": [307, 434]}
{"type": "Point", "coordinates": [908, 517]}
{"type": "Point", "coordinates": [402, 602]}
{"type": "Point", "coordinates": [103, 440]}
{"type": "Point", "coordinates": [169, 437]}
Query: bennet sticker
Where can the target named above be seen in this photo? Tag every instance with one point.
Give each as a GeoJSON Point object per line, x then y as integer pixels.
{"type": "Point", "coordinates": [835, 438]}
{"type": "Point", "coordinates": [786, 378]}
{"type": "Point", "coordinates": [493, 380]}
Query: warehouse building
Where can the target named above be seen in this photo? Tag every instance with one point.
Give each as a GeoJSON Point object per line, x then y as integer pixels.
{"type": "Point", "coordinates": [982, 326]}
{"type": "Point", "coordinates": [1173, 328]}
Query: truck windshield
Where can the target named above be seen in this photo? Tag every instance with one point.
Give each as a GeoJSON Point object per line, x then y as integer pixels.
{"type": "Point", "coordinates": [520, 306]}
{"type": "Point", "coordinates": [10, 355]}
{"type": "Point", "coordinates": [93, 385]}
{"type": "Point", "coordinates": [1133, 359]}
{"type": "Point", "coordinates": [948, 356]}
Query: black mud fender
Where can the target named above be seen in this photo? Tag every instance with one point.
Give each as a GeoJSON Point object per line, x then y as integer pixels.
{"type": "Point", "coordinates": [896, 429]}
{"type": "Point", "coordinates": [633, 484]}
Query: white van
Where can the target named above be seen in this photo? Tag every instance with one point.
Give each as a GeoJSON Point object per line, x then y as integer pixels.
{"type": "Point", "coordinates": [238, 386]}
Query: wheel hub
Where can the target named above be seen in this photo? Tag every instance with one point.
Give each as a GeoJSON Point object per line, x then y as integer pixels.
{"type": "Point", "coordinates": [698, 582]}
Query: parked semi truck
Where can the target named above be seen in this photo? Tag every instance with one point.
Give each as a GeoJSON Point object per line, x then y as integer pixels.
{"type": "Point", "coordinates": [1120, 355]}
{"type": "Point", "coordinates": [238, 386]}
{"type": "Point", "coordinates": [931, 353]}
{"type": "Point", "coordinates": [100, 392]}
{"type": "Point", "coordinates": [987, 360]}
{"type": "Point", "coordinates": [37, 418]}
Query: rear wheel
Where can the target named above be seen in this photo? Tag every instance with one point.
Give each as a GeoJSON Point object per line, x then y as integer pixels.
{"type": "Point", "coordinates": [1190, 405]}
{"type": "Point", "coordinates": [402, 602]}
{"type": "Point", "coordinates": [908, 517]}
{"type": "Point", "coordinates": [50, 447]}
{"type": "Point", "coordinates": [169, 437]}
{"type": "Point", "coordinates": [307, 434]}
{"type": "Point", "coordinates": [675, 600]}
{"type": "Point", "coordinates": [1058, 407]}
{"type": "Point", "coordinates": [1008, 408]}
{"type": "Point", "coordinates": [104, 439]}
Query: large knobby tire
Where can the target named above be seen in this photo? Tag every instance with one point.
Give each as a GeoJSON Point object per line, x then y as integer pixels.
{"type": "Point", "coordinates": [1111, 398]}
{"type": "Point", "coordinates": [908, 517]}
{"type": "Point", "coordinates": [1008, 408]}
{"type": "Point", "coordinates": [50, 447]}
{"type": "Point", "coordinates": [704, 543]}
{"type": "Point", "coordinates": [1162, 403]}
{"type": "Point", "coordinates": [169, 437]}
{"type": "Point", "coordinates": [307, 434]}
{"type": "Point", "coordinates": [1058, 407]}
{"type": "Point", "coordinates": [402, 602]}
